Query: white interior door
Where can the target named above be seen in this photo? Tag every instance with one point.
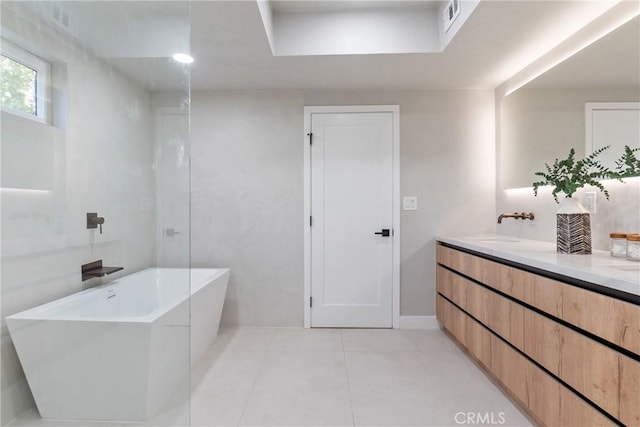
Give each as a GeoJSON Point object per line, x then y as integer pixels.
{"type": "Point", "coordinates": [172, 188]}
{"type": "Point", "coordinates": [351, 204]}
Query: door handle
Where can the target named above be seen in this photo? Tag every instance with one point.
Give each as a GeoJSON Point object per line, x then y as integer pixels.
{"type": "Point", "coordinates": [170, 232]}
{"type": "Point", "coordinates": [384, 233]}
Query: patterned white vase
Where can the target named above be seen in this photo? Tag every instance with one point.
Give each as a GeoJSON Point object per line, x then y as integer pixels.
{"type": "Point", "coordinates": [573, 228]}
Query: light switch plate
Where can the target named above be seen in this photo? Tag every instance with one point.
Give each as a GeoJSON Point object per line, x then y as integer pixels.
{"type": "Point", "coordinates": [409, 203]}
{"type": "Point", "coordinates": [589, 201]}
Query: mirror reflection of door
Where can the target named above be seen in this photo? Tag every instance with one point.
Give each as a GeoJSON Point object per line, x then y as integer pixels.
{"type": "Point", "coordinates": [616, 124]}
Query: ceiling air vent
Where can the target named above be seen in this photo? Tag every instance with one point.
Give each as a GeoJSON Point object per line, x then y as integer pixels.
{"type": "Point", "coordinates": [451, 12]}
{"type": "Point", "coordinates": [63, 20]}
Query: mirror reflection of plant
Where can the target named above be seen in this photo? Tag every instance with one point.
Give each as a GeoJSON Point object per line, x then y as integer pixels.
{"type": "Point", "coordinates": [628, 164]}
{"type": "Point", "coordinates": [569, 175]}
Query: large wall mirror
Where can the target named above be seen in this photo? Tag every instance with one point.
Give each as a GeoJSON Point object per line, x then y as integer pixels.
{"type": "Point", "coordinates": [545, 118]}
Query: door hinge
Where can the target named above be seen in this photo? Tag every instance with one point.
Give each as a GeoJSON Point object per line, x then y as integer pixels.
{"type": "Point", "coordinates": [310, 221]}
{"type": "Point", "coordinates": [310, 135]}
{"type": "Point", "coordinates": [310, 301]}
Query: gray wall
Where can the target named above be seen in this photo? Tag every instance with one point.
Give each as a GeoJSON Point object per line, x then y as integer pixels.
{"type": "Point", "coordinates": [246, 201]}
{"type": "Point", "coordinates": [247, 193]}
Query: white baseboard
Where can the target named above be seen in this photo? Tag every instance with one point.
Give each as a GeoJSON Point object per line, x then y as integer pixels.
{"type": "Point", "coordinates": [418, 322]}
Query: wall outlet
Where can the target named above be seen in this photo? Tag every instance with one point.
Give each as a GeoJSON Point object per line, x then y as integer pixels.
{"type": "Point", "coordinates": [410, 203]}
{"type": "Point", "coordinates": [589, 201]}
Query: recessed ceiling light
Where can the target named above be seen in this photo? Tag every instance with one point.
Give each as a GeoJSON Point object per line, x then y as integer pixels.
{"type": "Point", "coordinates": [183, 58]}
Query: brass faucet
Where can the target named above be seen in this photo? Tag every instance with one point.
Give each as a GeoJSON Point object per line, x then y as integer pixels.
{"type": "Point", "coordinates": [516, 216]}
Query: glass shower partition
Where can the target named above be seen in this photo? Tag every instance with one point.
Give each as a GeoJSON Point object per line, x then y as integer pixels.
{"type": "Point", "coordinates": [95, 279]}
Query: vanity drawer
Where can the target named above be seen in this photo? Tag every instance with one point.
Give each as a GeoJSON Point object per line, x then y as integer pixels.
{"type": "Point", "coordinates": [505, 318]}
{"type": "Point", "coordinates": [614, 320]}
{"type": "Point", "coordinates": [510, 367]}
{"type": "Point", "coordinates": [451, 286]}
{"type": "Point", "coordinates": [586, 365]}
{"type": "Point", "coordinates": [471, 266]}
{"type": "Point", "coordinates": [479, 342]}
{"type": "Point", "coordinates": [592, 369]}
{"type": "Point", "coordinates": [453, 320]}
{"type": "Point", "coordinates": [478, 303]}
{"type": "Point", "coordinates": [550, 402]}
{"type": "Point", "coordinates": [542, 341]}
{"type": "Point", "coordinates": [543, 397]}
{"type": "Point", "coordinates": [629, 391]}
{"type": "Point", "coordinates": [533, 289]}
{"type": "Point", "coordinates": [541, 292]}
{"type": "Point", "coordinates": [530, 288]}
{"type": "Point", "coordinates": [575, 412]}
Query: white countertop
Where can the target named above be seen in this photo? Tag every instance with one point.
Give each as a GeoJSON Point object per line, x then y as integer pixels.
{"type": "Point", "coordinates": [598, 268]}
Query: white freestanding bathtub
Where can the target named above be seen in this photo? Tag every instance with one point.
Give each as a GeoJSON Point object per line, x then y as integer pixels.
{"type": "Point", "coordinates": [117, 351]}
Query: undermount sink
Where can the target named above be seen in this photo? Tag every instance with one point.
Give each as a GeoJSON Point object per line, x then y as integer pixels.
{"type": "Point", "coordinates": [496, 239]}
{"type": "Point", "coordinates": [629, 267]}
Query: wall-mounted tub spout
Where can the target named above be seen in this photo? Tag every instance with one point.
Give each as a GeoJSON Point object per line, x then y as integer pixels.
{"type": "Point", "coordinates": [516, 216]}
{"type": "Point", "coordinates": [95, 269]}
{"type": "Point", "coordinates": [93, 220]}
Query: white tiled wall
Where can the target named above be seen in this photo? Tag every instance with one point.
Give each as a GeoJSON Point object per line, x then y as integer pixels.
{"type": "Point", "coordinates": [102, 163]}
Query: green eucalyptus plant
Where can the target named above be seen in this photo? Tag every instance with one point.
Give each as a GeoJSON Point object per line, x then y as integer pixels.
{"type": "Point", "coordinates": [629, 164]}
{"type": "Point", "coordinates": [569, 175]}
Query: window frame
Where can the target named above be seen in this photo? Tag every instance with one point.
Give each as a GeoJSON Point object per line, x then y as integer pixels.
{"type": "Point", "coordinates": [43, 78]}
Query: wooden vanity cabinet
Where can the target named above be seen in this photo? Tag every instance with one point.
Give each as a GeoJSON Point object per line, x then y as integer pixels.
{"type": "Point", "coordinates": [568, 355]}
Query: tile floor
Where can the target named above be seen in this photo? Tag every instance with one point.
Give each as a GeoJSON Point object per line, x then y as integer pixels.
{"type": "Point", "coordinates": [331, 377]}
